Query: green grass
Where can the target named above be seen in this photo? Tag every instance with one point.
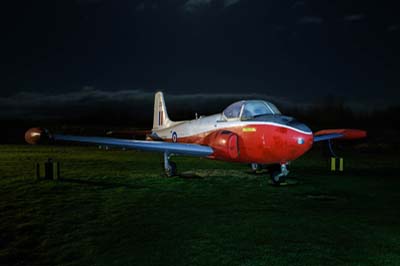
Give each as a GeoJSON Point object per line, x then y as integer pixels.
{"type": "Point", "coordinates": [116, 208]}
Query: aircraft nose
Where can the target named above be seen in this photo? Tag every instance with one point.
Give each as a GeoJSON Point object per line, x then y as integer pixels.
{"type": "Point", "coordinates": [301, 140]}
{"type": "Point", "coordinates": [287, 144]}
{"type": "Point", "coordinates": [305, 140]}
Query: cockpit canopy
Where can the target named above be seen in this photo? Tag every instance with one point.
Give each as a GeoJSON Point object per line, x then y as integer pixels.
{"type": "Point", "coordinates": [247, 110]}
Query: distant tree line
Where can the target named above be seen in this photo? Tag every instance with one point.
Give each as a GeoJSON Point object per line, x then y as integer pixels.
{"type": "Point", "coordinates": [333, 114]}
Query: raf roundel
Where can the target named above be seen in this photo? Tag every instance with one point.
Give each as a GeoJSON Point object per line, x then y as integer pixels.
{"type": "Point", "coordinates": [174, 137]}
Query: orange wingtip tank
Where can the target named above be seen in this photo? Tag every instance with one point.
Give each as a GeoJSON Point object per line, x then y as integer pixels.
{"type": "Point", "coordinates": [37, 135]}
{"type": "Point", "coordinates": [348, 134]}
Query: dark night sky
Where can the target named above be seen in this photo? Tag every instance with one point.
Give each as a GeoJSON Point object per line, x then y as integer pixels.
{"type": "Point", "coordinates": [299, 51]}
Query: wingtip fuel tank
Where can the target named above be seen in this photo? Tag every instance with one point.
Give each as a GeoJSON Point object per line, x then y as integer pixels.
{"type": "Point", "coordinates": [37, 135]}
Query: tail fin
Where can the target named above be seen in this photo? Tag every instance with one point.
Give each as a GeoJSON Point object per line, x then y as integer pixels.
{"type": "Point", "coordinates": [160, 118]}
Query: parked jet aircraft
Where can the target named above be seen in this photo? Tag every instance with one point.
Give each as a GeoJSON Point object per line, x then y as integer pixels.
{"type": "Point", "coordinates": [248, 131]}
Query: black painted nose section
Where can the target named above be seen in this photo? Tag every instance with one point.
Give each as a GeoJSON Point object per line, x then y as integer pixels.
{"type": "Point", "coordinates": [300, 126]}
{"type": "Point", "coordinates": [284, 120]}
{"type": "Point", "coordinates": [292, 122]}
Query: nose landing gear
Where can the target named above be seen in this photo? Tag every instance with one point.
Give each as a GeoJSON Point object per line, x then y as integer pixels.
{"type": "Point", "coordinates": [278, 173]}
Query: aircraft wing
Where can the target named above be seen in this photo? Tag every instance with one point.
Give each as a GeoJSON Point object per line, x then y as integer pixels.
{"type": "Point", "coordinates": [38, 135]}
{"type": "Point", "coordinates": [159, 146]}
{"type": "Point", "coordinates": [345, 134]}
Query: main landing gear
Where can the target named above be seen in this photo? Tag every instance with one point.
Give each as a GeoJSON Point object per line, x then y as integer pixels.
{"type": "Point", "coordinates": [169, 167]}
{"type": "Point", "coordinates": [255, 167]}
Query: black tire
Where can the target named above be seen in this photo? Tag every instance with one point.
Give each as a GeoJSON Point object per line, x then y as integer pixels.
{"type": "Point", "coordinates": [255, 167]}
{"type": "Point", "coordinates": [275, 171]}
{"type": "Point", "coordinates": [171, 171]}
{"type": "Point", "coordinates": [275, 178]}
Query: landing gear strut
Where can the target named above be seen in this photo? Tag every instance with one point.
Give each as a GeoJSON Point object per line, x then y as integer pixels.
{"type": "Point", "coordinates": [255, 167]}
{"type": "Point", "coordinates": [169, 167]}
{"type": "Point", "coordinates": [278, 173]}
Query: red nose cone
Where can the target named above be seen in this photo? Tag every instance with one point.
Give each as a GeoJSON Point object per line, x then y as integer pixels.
{"type": "Point", "coordinates": [287, 144]}
{"type": "Point", "coordinates": [36, 135]}
{"type": "Point", "coordinates": [300, 143]}
{"type": "Point", "coordinates": [308, 142]}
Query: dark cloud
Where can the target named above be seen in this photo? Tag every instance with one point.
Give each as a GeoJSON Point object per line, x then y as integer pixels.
{"type": "Point", "coordinates": [148, 5]}
{"type": "Point", "coordinates": [86, 2]}
{"type": "Point", "coordinates": [195, 5]}
{"type": "Point", "coordinates": [354, 17]}
{"type": "Point", "coordinates": [298, 4]}
{"type": "Point", "coordinates": [230, 2]}
{"type": "Point", "coordinates": [137, 104]}
{"type": "Point", "coordinates": [277, 27]}
{"type": "Point", "coordinates": [140, 6]}
{"type": "Point", "coordinates": [394, 27]}
{"type": "Point", "coordinates": [294, 48]}
{"type": "Point", "coordinates": [310, 20]}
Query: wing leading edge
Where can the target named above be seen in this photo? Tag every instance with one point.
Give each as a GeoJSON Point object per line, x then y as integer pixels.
{"type": "Point", "coordinates": [327, 137]}
{"type": "Point", "coordinates": [158, 146]}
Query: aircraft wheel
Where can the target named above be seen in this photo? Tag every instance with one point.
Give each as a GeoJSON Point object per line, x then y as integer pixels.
{"type": "Point", "coordinates": [276, 176]}
{"type": "Point", "coordinates": [171, 170]}
{"type": "Point", "coordinates": [255, 167]}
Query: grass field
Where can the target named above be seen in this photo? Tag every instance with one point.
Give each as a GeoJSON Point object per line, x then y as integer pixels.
{"type": "Point", "coordinates": [115, 208]}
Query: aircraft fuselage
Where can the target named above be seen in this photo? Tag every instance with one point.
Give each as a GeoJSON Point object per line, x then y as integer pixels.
{"type": "Point", "coordinates": [266, 140]}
